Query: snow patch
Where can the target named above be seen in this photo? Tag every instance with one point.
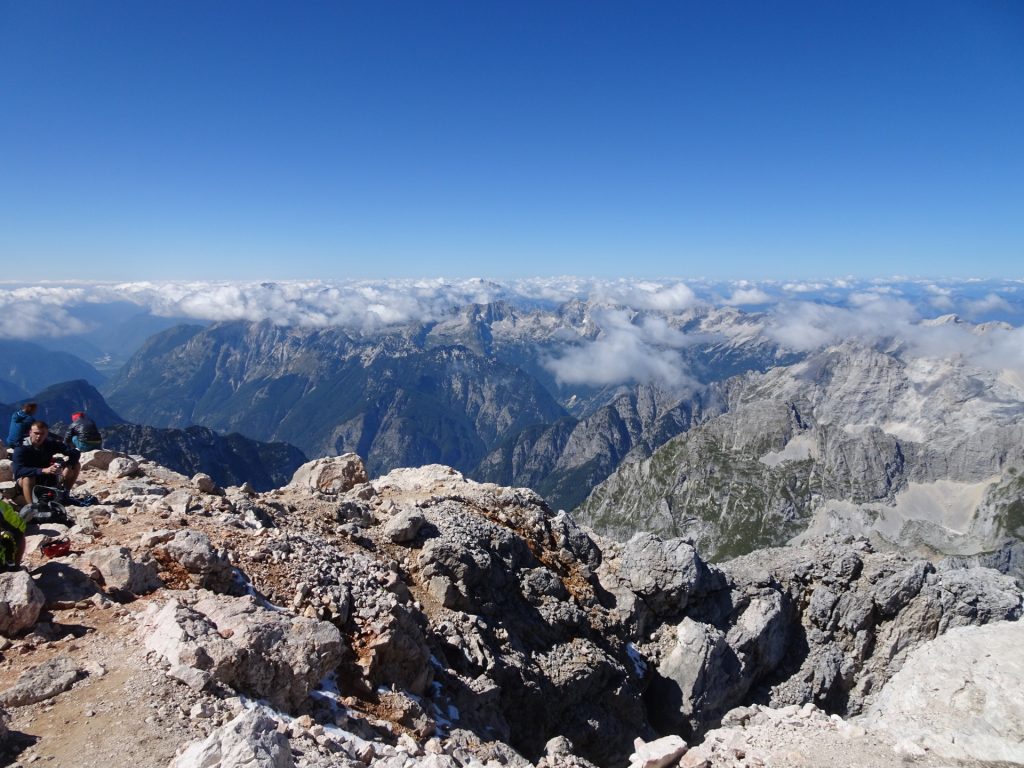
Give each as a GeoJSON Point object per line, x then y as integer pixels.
{"type": "Point", "coordinates": [901, 430]}
{"type": "Point", "coordinates": [798, 448]}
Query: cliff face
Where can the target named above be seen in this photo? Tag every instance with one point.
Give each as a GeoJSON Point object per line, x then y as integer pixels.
{"type": "Point", "coordinates": [228, 459]}
{"type": "Point", "coordinates": [422, 619]}
{"type": "Point", "coordinates": [388, 399]}
{"type": "Point", "coordinates": [477, 390]}
{"type": "Point", "coordinates": [853, 438]}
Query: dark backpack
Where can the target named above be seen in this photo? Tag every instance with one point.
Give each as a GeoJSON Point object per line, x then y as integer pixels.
{"type": "Point", "coordinates": [45, 507]}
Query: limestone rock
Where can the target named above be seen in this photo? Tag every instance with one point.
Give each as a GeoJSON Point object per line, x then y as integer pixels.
{"type": "Point", "coordinates": [99, 459]}
{"type": "Point", "coordinates": [42, 682]}
{"type": "Point", "coordinates": [334, 474]}
{"type": "Point", "coordinates": [20, 602]}
{"type": "Point", "coordinates": [122, 466]}
{"type": "Point", "coordinates": [120, 570]}
{"type": "Point", "coordinates": [659, 753]}
{"type": "Point", "coordinates": [250, 740]}
{"type": "Point", "coordinates": [210, 568]}
{"type": "Point", "coordinates": [179, 502]}
{"type": "Point", "coordinates": [203, 483]}
{"type": "Point", "coordinates": [403, 527]}
{"type": "Point", "coordinates": [665, 574]}
{"type": "Point", "coordinates": [262, 653]}
{"type": "Point", "coordinates": [959, 696]}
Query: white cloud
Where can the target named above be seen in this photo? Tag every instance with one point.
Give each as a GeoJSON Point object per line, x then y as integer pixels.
{"type": "Point", "coordinates": [743, 296]}
{"type": "Point", "coordinates": [992, 302]}
{"type": "Point", "coordinates": [803, 287]}
{"type": "Point", "coordinates": [625, 350]}
{"type": "Point", "coordinates": [804, 326]}
{"type": "Point", "coordinates": [30, 312]}
{"type": "Point", "coordinates": [635, 337]}
{"type": "Point", "coordinates": [674, 297]}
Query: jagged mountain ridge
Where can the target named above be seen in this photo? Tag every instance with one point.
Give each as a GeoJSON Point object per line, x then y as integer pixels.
{"type": "Point", "coordinates": [58, 401]}
{"type": "Point", "coordinates": [853, 437]}
{"type": "Point", "coordinates": [472, 391]}
{"type": "Point", "coordinates": [228, 459]}
{"type": "Point", "coordinates": [326, 392]}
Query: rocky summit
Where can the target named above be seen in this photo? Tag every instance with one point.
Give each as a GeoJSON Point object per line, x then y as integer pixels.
{"type": "Point", "coordinates": [423, 619]}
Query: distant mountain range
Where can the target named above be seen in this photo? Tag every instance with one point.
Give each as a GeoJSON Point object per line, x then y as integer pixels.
{"type": "Point", "coordinates": [721, 432]}
{"type": "Point", "coordinates": [475, 392]}
{"type": "Point", "coordinates": [26, 368]}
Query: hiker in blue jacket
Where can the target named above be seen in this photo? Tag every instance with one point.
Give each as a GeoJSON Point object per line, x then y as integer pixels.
{"type": "Point", "coordinates": [21, 421]}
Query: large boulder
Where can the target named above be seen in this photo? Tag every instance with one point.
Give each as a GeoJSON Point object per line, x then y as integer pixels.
{"type": "Point", "coordinates": [334, 474]}
{"type": "Point", "coordinates": [208, 568]}
{"type": "Point", "coordinates": [42, 682]}
{"type": "Point", "coordinates": [263, 653]}
{"type": "Point", "coordinates": [250, 740]}
{"type": "Point", "coordinates": [827, 623]}
{"type": "Point", "coordinates": [119, 570]}
{"type": "Point", "coordinates": [20, 602]}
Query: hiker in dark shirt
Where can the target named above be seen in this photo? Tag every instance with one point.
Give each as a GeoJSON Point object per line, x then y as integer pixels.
{"type": "Point", "coordinates": [33, 461]}
{"type": "Point", "coordinates": [83, 433]}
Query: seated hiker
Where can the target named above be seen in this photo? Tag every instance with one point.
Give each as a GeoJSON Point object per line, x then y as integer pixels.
{"type": "Point", "coordinates": [83, 433]}
{"type": "Point", "coordinates": [33, 461]}
{"type": "Point", "coordinates": [21, 420]}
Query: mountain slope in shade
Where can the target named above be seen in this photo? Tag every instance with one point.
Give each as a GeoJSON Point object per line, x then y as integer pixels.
{"type": "Point", "coordinates": [29, 367]}
{"type": "Point", "coordinates": [59, 401]}
{"type": "Point", "coordinates": [228, 459]}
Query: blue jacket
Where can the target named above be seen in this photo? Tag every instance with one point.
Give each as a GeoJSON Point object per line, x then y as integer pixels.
{"type": "Point", "coordinates": [20, 424]}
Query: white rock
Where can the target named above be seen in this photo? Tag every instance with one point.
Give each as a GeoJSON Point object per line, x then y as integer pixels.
{"type": "Point", "coordinates": [203, 482]}
{"type": "Point", "coordinates": [122, 466]}
{"type": "Point", "coordinates": [966, 682]}
{"type": "Point", "coordinates": [334, 474]}
{"type": "Point", "coordinates": [250, 740]}
{"type": "Point", "coordinates": [20, 602]}
{"type": "Point", "coordinates": [658, 753]}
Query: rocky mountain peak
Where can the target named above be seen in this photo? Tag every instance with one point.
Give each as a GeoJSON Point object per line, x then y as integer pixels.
{"type": "Point", "coordinates": [423, 619]}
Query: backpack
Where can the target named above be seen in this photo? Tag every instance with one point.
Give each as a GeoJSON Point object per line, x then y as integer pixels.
{"type": "Point", "coordinates": [12, 535]}
{"type": "Point", "coordinates": [45, 507]}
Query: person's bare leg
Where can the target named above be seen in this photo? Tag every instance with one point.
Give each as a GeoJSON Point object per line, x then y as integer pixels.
{"type": "Point", "coordinates": [26, 484]}
{"type": "Point", "coordinates": [70, 476]}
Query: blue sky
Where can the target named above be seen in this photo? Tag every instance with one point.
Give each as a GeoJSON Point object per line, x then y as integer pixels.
{"type": "Point", "coordinates": [335, 140]}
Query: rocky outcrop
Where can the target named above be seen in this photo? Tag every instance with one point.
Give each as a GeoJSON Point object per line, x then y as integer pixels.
{"type": "Point", "coordinates": [421, 618]}
{"type": "Point", "coordinates": [827, 624]}
{"type": "Point", "coordinates": [251, 739]}
{"type": "Point", "coordinates": [265, 654]}
{"type": "Point", "coordinates": [330, 475]}
{"type": "Point", "coordinates": [959, 697]}
{"type": "Point", "coordinates": [20, 602]}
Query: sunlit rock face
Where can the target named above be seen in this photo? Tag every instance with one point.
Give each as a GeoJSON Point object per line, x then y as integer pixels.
{"type": "Point", "coordinates": [851, 439]}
